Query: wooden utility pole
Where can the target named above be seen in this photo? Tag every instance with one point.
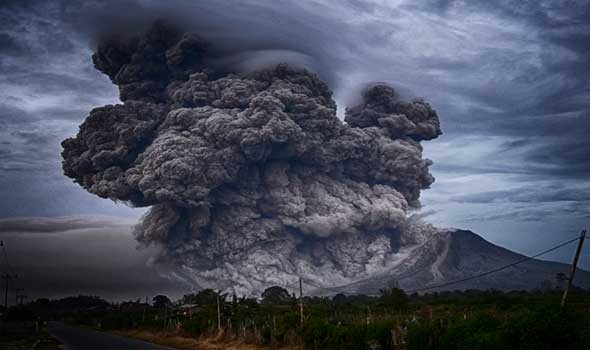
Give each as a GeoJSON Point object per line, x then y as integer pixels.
{"type": "Point", "coordinates": [166, 316]}
{"type": "Point", "coordinates": [300, 302]}
{"type": "Point", "coordinates": [7, 277]}
{"type": "Point", "coordinates": [218, 314]}
{"type": "Point", "coordinates": [17, 294]}
{"type": "Point", "coordinates": [145, 306]}
{"type": "Point", "coordinates": [20, 298]}
{"type": "Point", "coordinates": [574, 266]}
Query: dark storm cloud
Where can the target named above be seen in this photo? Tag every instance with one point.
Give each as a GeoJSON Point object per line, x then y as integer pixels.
{"type": "Point", "coordinates": [14, 118]}
{"type": "Point", "coordinates": [46, 88]}
{"type": "Point", "coordinates": [543, 77]}
{"type": "Point", "coordinates": [509, 80]}
{"type": "Point", "coordinates": [548, 101]}
{"type": "Point", "coordinates": [229, 161]}
{"type": "Point", "coordinates": [568, 158]}
{"type": "Point", "coordinates": [29, 146]}
{"type": "Point", "coordinates": [250, 26]}
{"type": "Point", "coordinates": [10, 45]}
{"type": "Point", "coordinates": [536, 194]}
{"type": "Point", "coordinates": [563, 155]}
{"type": "Point", "coordinates": [537, 213]}
{"type": "Point", "coordinates": [53, 84]}
{"type": "Point", "coordinates": [12, 114]}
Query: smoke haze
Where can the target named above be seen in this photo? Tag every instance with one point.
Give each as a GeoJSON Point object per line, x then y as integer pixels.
{"type": "Point", "coordinates": [237, 168]}
{"type": "Point", "coordinates": [509, 81]}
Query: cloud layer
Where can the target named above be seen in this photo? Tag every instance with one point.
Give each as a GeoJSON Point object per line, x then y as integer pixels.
{"type": "Point", "coordinates": [509, 81]}
{"type": "Point", "coordinates": [230, 161]}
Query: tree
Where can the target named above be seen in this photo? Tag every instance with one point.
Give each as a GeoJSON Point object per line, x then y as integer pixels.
{"type": "Point", "coordinates": [188, 299]}
{"type": "Point", "coordinates": [161, 301]}
{"type": "Point", "coordinates": [339, 299]}
{"type": "Point", "coordinates": [276, 295]}
{"type": "Point", "coordinates": [394, 297]}
{"type": "Point", "coordinates": [203, 297]}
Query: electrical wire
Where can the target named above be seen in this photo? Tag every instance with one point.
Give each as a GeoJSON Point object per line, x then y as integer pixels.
{"type": "Point", "coordinates": [338, 289]}
{"type": "Point", "coordinates": [10, 275]}
{"type": "Point", "coordinates": [450, 283]}
{"type": "Point", "coordinates": [6, 261]}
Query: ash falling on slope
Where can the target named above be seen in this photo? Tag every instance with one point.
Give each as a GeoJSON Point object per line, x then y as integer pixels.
{"type": "Point", "coordinates": [251, 178]}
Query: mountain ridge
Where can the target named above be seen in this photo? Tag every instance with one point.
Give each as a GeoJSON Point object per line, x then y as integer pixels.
{"type": "Point", "coordinates": [451, 255]}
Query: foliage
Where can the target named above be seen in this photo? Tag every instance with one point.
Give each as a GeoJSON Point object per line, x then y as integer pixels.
{"type": "Point", "coordinates": [161, 301]}
{"type": "Point", "coordinates": [393, 320]}
{"type": "Point", "coordinates": [276, 295]}
{"type": "Point", "coordinates": [394, 298]}
{"type": "Point", "coordinates": [203, 297]}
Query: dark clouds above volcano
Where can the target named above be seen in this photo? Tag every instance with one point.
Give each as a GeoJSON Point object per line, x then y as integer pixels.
{"type": "Point", "coordinates": [509, 79]}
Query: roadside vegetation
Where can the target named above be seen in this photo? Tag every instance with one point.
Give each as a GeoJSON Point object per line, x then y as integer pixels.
{"type": "Point", "coordinates": [41, 341]}
{"type": "Point", "coordinates": [393, 320]}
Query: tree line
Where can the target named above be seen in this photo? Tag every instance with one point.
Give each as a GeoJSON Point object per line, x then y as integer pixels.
{"type": "Point", "coordinates": [392, 320]}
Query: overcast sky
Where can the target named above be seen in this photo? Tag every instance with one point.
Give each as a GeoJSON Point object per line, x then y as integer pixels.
{"type": "Point", "coordinates": [509, 79]}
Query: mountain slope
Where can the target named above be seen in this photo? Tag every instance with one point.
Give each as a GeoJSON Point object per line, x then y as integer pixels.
{"type": "Point", "coordinates": [452, 255]}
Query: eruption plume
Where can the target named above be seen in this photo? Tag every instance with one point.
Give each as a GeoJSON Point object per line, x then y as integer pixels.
{"type": "Point", "coordinates": [251, 178]}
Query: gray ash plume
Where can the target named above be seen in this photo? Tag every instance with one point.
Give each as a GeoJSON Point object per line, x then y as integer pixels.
{"type": "Point", "coordinates": [251, 178]}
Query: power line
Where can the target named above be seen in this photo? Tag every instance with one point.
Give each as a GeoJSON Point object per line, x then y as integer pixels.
{"type": "Point", "coordinates": [332, 289]}
{"type": "Point", "coordinates": [338, 288]}
{"type": "Point", "coordinates": [294, 284]}
{"type": "Point", "coordinates": [494, 270]}
{"type": "Point", "coordinates": [8, 266]}
{"type": "Point", "coordinates": [10, 276]}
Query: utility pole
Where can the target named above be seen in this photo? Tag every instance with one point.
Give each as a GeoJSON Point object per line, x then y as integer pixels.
{"type": "Point", "coordinates": [218, 314]}
{"type": "Point", "coordinates": [7, 277]}
{"type": "Point", "coordinates": [17, 294]}
{"type": "Point", "coordinates": [574, 266]}
{"type": "Point", "coordinates": [21, 298]}
{"type": "Point", "coordinates": [300, 302]}
{"type": "Point", "coordinates": [166, 316]}
{"type": "Point", "coordinates": [144, 309]}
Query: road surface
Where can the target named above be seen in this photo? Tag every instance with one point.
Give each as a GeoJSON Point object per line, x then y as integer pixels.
{"type": "Point", "coordinates": [74, 338]}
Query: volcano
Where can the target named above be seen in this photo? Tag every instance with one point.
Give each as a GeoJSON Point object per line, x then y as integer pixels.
{"type": "Point", "coordinates": [451, 259]}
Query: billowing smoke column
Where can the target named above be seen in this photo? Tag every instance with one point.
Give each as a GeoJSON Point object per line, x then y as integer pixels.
{"type": "Point", "coordinates": [252, 179]}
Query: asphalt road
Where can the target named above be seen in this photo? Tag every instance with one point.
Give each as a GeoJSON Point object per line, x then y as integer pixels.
{"type": "Point", "coordinates": [74, 338]}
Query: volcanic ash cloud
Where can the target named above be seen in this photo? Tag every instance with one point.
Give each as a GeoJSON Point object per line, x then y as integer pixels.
{"type": "Point", "coordinates": [251, 179]}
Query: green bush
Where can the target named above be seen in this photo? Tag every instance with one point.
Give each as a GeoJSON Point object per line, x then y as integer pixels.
{"type": "Point", "coordinates": [421, 336]}
{"type": "Point", "coordinates": [199, 323]}
{"type": "Point", "coordinates": [528, 329]}
{"type": "Point", "coordinates": [479, 332]}
{"type": "Point", "coordinates": [321, 334]}
{"type": "Point", "coordinates": [460, 319]}
{"type": "Point", "coordinates": [544, 328]}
